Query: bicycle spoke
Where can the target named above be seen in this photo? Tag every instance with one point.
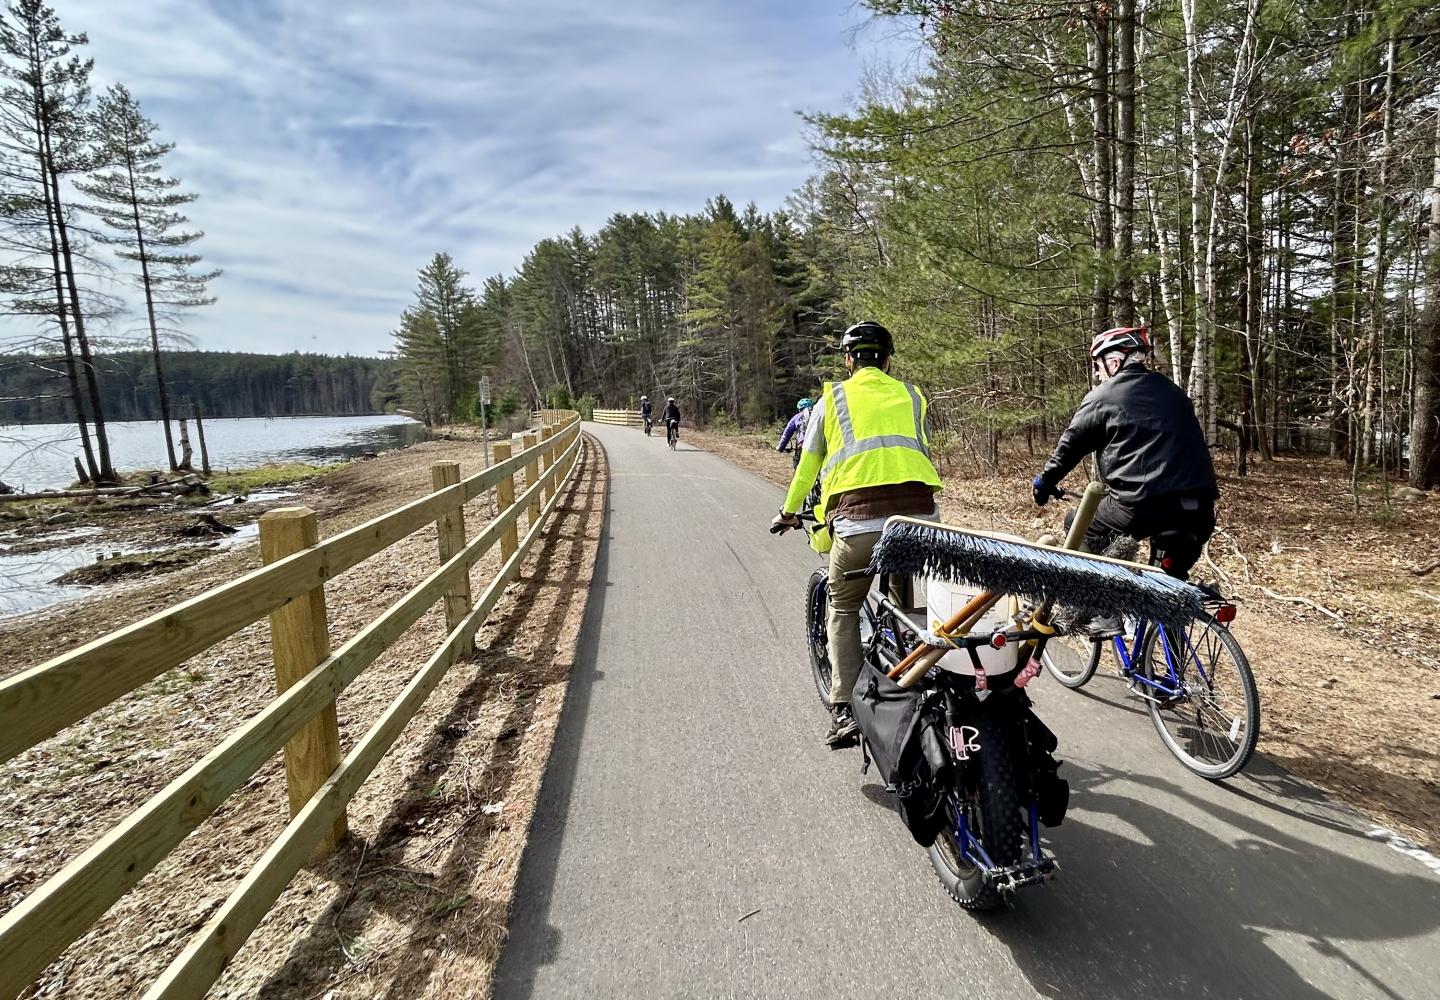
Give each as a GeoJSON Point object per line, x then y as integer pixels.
{"type": "Point", "coordinates": [1209, 719]}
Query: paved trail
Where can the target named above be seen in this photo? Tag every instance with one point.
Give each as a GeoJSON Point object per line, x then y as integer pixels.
{"type": "Point", "coordinates": [689, 789]}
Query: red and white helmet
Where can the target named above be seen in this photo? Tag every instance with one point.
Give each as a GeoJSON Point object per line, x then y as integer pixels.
{"type": "Point", "coordinates": [1121, 338]}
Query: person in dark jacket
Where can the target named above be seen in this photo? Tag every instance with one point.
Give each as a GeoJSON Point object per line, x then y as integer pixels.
{"type": "Point", "coordinates": [1150, 452]}
{"type": "Point", "coordinates": [671, 416]}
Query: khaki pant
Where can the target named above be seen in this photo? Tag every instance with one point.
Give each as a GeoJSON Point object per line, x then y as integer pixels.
{"type": "Point", "coordinates": [846, 597]}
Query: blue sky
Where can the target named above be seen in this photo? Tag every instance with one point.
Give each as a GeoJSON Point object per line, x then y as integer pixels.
{"type": "Point", "coordinates": [336, 145]}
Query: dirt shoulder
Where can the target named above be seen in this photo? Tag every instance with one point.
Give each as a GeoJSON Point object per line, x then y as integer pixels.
{"type": "Point", "coordinates": [415, 902]}
{"type": "Point", "coordinates": [1350, 694]}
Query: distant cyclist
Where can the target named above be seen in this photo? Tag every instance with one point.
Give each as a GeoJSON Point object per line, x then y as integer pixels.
{"type": "Point", "coordinates": [672, 421]}
{"type": "Point", "coordinates": [1150, 452]}
{"type": "Point", "coordinates": [645, 413]}
{"type": "Point", "coordinates": [795, 430]}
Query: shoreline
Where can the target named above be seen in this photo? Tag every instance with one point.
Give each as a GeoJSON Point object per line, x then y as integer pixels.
{"type": "Point", "coordinates": [55, 552]}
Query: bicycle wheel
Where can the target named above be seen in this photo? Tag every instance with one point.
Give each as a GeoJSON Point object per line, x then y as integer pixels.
{"type": "Point", "coordinates": [1072, 659]}
{"type": "Point", "coordinates": [994, 818]}
{"type": "Point", "coordinates": [817, 609]}
{"type": "Point", "coordinates": [1212, 722]}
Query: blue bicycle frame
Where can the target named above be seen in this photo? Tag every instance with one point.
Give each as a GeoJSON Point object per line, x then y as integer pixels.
{"type": "Point", "coordinates": [1129, 659]}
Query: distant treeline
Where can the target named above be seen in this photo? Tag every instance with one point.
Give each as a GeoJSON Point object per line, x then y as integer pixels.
{"type": "Point", "coordinates": [225, 384]}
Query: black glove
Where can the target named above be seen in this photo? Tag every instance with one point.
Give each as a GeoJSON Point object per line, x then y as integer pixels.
{"type": "Point", "coordinates": [1043, 491]}
{"type": "Point", "coordinates": [783, 522]}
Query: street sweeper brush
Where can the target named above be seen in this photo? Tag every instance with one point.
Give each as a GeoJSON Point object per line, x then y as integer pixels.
{"type": "Point", "coordinates": [1082, 582]}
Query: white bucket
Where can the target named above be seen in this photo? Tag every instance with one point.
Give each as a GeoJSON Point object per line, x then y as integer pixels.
{"type": "Point", "coordinates": [943, 600]}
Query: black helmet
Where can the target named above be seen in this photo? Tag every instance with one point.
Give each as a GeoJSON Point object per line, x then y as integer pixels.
{"type": "Point", "coordinates": [868, 337]}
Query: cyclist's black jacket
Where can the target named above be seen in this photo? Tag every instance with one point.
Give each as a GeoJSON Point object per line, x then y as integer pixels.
{"type": "Point", "coordinates": [1148, 440]}
{"type": "Point", "coordinates": [672, 412]}
{"type": "Point", "coordinates": [645, 408]}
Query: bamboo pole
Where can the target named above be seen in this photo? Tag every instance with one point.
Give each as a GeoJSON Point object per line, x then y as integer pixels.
{"type": "Point", "coordinates": [450, 528]}
{"type": "Point", "coordinates": [504, 500]}
{"type": "Point", "coordinates": [300, 639]}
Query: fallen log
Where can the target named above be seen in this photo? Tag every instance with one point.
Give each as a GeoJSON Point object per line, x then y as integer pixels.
{"type": "Point", "coordinates": [164, 489]}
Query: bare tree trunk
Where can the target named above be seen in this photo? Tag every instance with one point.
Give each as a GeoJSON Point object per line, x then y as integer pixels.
{"type": "Point", "coordinates": [200, 433]}
{"type": "Point", "coordinates": [1125, 174]}
{"type": "Point", "coordinates": [1197, 388]}
{"type": "Point", "coordinates": [161, 389]}
{"type": "Point", "coordinates": [97, 409]}
{"type": "Point", "coordinates": [1253, 375]}
{"type": "Point", "coordinates": [62, 314]}
{"type": "Point", "coordinates": [1375, 335]}
{"type": "Point", "coordinates": [1204, 386]}
{"type": "Point", "coordinates": [1425, 411]}
{"type": "Point", "coordinates": [1099, 45]}
{"type": "Point", "coordinates": [185, 450]}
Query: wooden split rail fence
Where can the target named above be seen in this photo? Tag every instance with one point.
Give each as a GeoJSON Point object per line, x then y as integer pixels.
{"type": "Point", "coordinates": [621, 418]}
{"type": "Point", "coordinates": [289, 588]}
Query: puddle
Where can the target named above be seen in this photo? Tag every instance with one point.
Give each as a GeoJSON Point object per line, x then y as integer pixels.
{"type": "Point", "coordinates": [25, 580]}
{"type": "Point", "coordinates": [248, 532]}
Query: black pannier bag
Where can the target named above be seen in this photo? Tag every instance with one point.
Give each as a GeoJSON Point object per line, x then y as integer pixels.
{"type": "Point", "coordinates": [888, 716]}
{"type": "Point", "coordinates": [907, 752]}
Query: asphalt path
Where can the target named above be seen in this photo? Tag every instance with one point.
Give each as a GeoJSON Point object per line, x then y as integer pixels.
{"type": "Point", "coordinates": [694, 838]}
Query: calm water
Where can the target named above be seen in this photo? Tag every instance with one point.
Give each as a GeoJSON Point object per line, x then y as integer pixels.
{"type": "Point", "coordinates": [40, 456]}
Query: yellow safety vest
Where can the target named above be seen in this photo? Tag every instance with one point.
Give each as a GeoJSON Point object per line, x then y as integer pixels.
{"type": "Point", "coordinates": [874, 431]}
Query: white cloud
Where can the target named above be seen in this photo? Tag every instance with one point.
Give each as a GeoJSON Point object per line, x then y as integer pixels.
{"type": "Point", "coordinates": [335, 146]}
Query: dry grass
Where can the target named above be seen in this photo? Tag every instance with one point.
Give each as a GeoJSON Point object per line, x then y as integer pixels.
{"type": "Point", "coordinates": [1372, 737]}
{"type": "Point", "coordinates": [415, 901]}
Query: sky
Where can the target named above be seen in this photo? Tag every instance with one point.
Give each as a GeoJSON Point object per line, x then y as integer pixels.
{"type": "Point", "coordinates": [336, 145]}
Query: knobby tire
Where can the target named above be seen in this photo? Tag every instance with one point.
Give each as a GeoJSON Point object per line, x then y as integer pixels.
{"type": "Point", "coordinates": [996, 815]}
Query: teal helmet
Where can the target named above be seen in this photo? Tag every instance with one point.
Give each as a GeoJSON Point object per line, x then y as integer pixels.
{"type": "Point", "coordinates": [804, 404]}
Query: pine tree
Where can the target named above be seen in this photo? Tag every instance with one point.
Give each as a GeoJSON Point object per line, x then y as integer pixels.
{"type": "Point", "coordinates": [44, 128]}
{"type": "Point", "coordinates": [444, 343]}
{"type": "Point", "coordinates": [137, 203]}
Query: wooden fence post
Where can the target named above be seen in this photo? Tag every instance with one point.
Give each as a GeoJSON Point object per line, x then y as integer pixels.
{"type": "Point", "coordinates": [532, 474]}
{"type": "Point", "coordinates": [547, 459]}
{"type": "Point", "coordinates": [299, 640]}
{"type": "Point", "coordinates": [504, 500]}
{"type": "Point", "coordinates": [450, 527]}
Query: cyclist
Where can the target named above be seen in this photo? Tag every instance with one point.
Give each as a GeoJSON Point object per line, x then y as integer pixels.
{"type": "Point", "coordinates": [645, 412]}
{"type": "Point", "coordinates": [1150, 452]}
{"type": "Point", "coordinates": [867, 435]}
{"type": "Point", "coordinates": [796, 429]}
{"type": "Point", "coordinates": [672, 418]}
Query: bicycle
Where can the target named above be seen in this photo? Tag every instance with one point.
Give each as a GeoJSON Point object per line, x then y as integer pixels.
{"type": "Point", "coordinates": [1193, 683]}
{"type": "Point", "coordinates": [982, 781]}
{"type": "Point", "coordinates": [672, 433]}
{"type": "Point", "coordinates": [649, 422]}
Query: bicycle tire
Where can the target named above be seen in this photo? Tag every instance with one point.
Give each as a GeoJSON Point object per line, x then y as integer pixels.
{"type": "Point", "coordinates": [1243, 742]}
{"type": "Point", "coordinates": [1065, 659]}
{"type": "Point", "coordinates": [999, 823]}
{"type": "Point", "coordinates": [817, 608]}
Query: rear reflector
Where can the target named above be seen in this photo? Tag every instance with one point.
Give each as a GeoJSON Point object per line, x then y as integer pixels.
{"type": "Point", "coordinates": [1225, 614]}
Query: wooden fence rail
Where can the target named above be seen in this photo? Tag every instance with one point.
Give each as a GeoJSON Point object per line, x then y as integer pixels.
{"type": "Point", "coordinates": [39, 702]}
{"type": "Point", "coordinates": [622, 418]}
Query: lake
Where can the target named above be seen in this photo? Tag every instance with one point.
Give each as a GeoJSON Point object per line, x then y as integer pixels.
{"type": "Point", "coordinates": [41, 456]}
